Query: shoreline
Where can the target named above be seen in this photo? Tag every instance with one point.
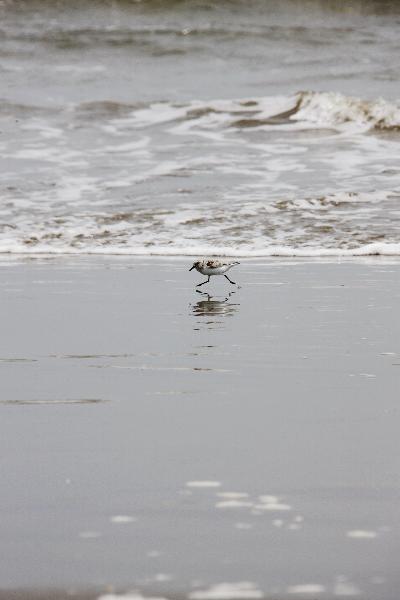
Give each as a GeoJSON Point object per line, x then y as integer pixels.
{"type": "Point", "coordinates": [369, 250]}
{"type": "Point", "coordinates": [30, 258]}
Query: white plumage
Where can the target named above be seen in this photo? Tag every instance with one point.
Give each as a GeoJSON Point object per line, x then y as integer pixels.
{"type": "Point", "coordinates": [213, 266]}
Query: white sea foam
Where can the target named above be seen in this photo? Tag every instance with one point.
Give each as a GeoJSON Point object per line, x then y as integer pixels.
{"type": "Point", "coordinates": [333, 109]}
{"type": "Point", "coordinates": [376, 249]}
{"type": "Point", "coordinates": [275, 176]}
{"type": "Point", "coordinates": [249, 229]}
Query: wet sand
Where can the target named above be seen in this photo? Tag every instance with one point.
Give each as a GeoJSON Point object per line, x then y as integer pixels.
{"type": "Point", "coordinates": [160, 440]}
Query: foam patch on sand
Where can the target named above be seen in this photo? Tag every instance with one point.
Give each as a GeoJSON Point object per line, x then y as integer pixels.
{"type": "Point", "coordinates": [362, 534]}
{"type": "Point", "coordinates": [203, 484]}
{"type": "Point", "coordinates": [344, 587]}
{"type": "Point", "coordinates": [306, 589]}
{"type": "Point", "coordinates": [121, 519]}
{"type": "Point", "coordinates": [228, 591]}
{"type": "Point", "coordinates": [232, 495]}
{"type": "Point", "coordinates": [233, 504]}
{"type": "Point", "coordinates": [254, 507]}
{"type": "Point", "coordinates": [263, 503]}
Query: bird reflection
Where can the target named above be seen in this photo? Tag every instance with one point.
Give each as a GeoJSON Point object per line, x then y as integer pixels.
{"type": "Point", "coordinates": [210, 306]}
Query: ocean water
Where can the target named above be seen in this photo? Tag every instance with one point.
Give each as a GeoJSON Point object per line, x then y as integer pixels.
{"type": "Point", "coordinates": [195, 127]}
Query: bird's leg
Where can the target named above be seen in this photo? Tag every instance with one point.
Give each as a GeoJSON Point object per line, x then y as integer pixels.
{"type": "Point", "coordinates": [208, 280]}
{"type": "Point", "coordinates": [230, 280]}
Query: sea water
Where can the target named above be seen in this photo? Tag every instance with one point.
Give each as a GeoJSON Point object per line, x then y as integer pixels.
{"type": "Point", "coordinates": [187, 128]}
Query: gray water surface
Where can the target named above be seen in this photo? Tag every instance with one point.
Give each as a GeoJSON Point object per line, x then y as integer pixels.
{"type": "Point", "coordinates": [159, 439]}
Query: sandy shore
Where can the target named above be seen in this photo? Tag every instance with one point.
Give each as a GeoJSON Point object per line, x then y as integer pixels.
{"type": "Point", "coordinates": [157, 439]}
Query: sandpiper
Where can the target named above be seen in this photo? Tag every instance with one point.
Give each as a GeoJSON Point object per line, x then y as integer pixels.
{"type": "Point", "coordinates": [213, 266]}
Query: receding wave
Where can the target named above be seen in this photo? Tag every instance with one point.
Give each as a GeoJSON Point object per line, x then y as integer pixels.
{"type": "Point", "coordinates": [340, 224]}
{"type": "Point", "coordinates": [311, 174]}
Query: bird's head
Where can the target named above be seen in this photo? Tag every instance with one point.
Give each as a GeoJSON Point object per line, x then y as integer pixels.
{"type": "Point", "coordinates": [195, 265]}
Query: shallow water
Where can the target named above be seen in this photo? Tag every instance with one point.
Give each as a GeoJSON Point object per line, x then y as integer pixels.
{"type": "Point", "coordinates": [235, 443]}
{"type": "Point", "coordinates": [179, 128]}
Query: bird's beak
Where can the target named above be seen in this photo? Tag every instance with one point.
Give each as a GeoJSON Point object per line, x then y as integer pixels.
{"type": "Point", "coordinates": [191, 268]}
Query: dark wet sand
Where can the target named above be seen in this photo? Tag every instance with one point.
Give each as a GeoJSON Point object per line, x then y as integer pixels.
{"type": "Point", "coordinates": [159, 440]}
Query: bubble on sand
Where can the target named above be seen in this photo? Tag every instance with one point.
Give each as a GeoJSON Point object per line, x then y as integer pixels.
{"type": "Point", "coordinates": [294, 526]}
{"type": "Point", "coordinates": [122, 519]}
{"type": "Point", "coordinates": [232, 495]}
{"type": "Point", "coordinates": [163, 577]}
{"type": "Point", "coordinates": [298, 519]}
{"type": "Point", "coordinates": [268, 499]}
{"type": "Point", "coordinates": [277, 522]}
{"type": "Point", "coordinates": [243, 525]}
{"type": "Point", "coordinates": [203, 484]}
{"type": "Point", "coordinates": [233, 504]}
{"type": "Point", "coordinates": [361, 534]}
{"type": "Point", "coordinates": [228, 591]}
{"type": "Point", "coordinates": [306, 588]}
{"type": "Point", "coordinates": [271, 502]}
{"type": "Point", "coordinates": [343, 587]}
{"type": "Point", "coordinates": [273, 506]}
{"type": "Point", "coordinates": [89, 535]}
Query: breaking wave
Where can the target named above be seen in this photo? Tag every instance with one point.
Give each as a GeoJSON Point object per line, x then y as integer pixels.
{"type": "Point", "coordinates": [305, 108]}
{"type": "Point", "coordinates": [332, 109]}
{"type": "Point", "coordinates": [315, 109]}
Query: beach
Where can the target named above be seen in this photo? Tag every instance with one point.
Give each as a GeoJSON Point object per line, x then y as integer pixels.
{"type": "Point", "coordinates": [238, 443]}
{"type": "Point", "coordinates": [230, 442]}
